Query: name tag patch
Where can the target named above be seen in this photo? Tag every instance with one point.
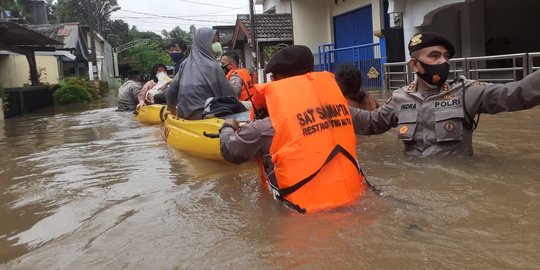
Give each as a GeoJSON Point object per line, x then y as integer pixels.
{"type": "Point", "coordinates": [448, 103]}
{"type": "Point", "coordinates": [408, 107]}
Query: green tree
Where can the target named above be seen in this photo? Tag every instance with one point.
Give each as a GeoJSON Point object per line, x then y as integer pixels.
{"type": "Point", "coordinates": [51, 11]}
{"type": "Point", "coordinates": [143, 57]}
{"type": "Point", "coordinates": [116, 32]}
{"type": "Point", "coordinates": [99, 11]}
{"type": "Point", "coordinates": [176, 32]}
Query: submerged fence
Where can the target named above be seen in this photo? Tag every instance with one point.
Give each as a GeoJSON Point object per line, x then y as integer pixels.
{"type": "Point", "coordinates": [367, 58]}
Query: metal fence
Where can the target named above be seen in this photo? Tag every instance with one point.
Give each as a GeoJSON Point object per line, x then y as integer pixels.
{"type": "Point", "coordinates": [534, 62]}
{"type": "Point", "coordinates": [495, 69]}
{"type": "Point", "coordinates": [367, 58]}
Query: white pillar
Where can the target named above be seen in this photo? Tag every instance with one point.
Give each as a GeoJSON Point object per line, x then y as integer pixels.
{"type": "Point", "coordinates": [115, 62]}
{"type": "Point", "coordinates": [99, 64]}
{"type": "Point", "coordinates": [90, 70]}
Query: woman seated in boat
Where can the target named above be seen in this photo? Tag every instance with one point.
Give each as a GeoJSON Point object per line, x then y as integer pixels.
{"type": "Point", "coordinates": [199, 77]}
{"type": "Point", "coordinates": [153, 91]}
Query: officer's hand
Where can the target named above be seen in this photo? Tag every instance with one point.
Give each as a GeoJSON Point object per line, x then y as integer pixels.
{"type": "Point", "coordinates": [234, 124]}
{"type": "Point", "coordinates": [169, 112]}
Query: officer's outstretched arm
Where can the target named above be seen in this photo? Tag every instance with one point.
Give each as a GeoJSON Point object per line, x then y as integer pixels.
{"type": "Point", "coordinates": [374, 122]}
{"type": "Point", "coordinates": [495, 98]}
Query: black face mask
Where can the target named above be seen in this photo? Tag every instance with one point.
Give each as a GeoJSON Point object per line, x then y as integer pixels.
{"type": "Point", "coordinates": [434, 74]}
{"type": "Point", "coordinates": [225, 69]}
{"type": "Point", "coordinates": [176, 56]}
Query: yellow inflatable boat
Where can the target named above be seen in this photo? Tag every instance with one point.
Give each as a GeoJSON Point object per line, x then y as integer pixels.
{"type": "Point", "coordinates": [197, 137]}
{"type": "Point", "coordinates": [151, 114]}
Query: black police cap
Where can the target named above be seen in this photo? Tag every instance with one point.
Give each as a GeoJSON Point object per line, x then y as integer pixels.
{"type": "Point", "coordinates": [291, 61]}
{"type": "Point", "coordinates": [428, 39]}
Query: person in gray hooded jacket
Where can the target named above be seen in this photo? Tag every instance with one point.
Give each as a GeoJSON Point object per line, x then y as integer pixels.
{"type": "Point", "coordinates": [199, 77]}
{"type": "Point", "coordinates": [434, 117]}
{"type": "Point", "coordinates": [128, 92]}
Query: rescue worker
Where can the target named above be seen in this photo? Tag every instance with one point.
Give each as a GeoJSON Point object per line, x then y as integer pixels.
{"type": "Point", "coordinates": [436, 117]}
{"type": "Point", "coordinates": [238, 77]}
{"type": "Point", "coordinates": [306, 147]}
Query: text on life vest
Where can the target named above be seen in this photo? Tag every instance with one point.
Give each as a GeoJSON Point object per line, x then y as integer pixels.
{"type": "Point", "coordinates": [324, 117]}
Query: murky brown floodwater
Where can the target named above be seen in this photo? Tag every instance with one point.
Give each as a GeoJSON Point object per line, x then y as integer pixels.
{"type": "Point", "coordinates": [97, 190]}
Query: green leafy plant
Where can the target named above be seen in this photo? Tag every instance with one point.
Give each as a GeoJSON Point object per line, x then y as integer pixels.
{"type": "Point", "coordinates": [270, 50]}
{"type": "Point", "coordinates": [75, 90]}
{"type": "Point", "coordinates": [143, 57]}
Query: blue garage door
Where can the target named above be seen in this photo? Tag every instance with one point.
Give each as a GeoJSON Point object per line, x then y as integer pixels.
{"type": "Point", "coordinates": [351, 29]}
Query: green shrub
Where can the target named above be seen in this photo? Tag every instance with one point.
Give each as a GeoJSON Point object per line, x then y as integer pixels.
{"type": "Point", "coordinates": [74, 90]}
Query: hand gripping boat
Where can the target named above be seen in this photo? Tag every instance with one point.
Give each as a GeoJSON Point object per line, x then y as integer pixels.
{"type": "Point", "coordinates": [197, 137]}
{"type": "Point", "coordinates": [151, 114]}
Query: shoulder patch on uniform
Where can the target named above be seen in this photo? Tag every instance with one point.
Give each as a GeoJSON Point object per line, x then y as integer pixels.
{"type": "Point", "coordinates": [411, 87]}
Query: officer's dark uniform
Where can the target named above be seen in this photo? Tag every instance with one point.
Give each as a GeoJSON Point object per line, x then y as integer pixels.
{"type": "Point", "coordinates": [442, 123]}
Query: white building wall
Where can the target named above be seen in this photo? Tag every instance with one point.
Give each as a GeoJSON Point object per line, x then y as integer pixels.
{"type": "Point", "coordinates": [313, 19]}
{"type": "Point", "coordinates": [311, 23]}
{"type": "Point", "coordinates": [418, 15]}
{"type": "Point", "coordinates": [281, 6]}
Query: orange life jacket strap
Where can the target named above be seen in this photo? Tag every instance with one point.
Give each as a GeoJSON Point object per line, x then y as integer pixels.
{"type": "Point", "coordinates": [260, 113]}
{"type": "Point", "coordinates": [338, 149]}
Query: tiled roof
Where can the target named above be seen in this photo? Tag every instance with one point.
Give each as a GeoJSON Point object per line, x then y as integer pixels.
{"type": "Point", "coordinates": [269, 26]}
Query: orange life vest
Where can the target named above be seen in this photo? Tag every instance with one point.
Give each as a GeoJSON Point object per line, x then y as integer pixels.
{"type": "Point", "coordinates": [247, 83]}
{"type": "Point", "coordinates": [314, 146]}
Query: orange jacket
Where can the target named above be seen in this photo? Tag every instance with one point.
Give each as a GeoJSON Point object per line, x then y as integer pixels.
{"type": "Point", "coordinates": [314, 146]}
{"type": "Point", "coordinates": [247, 87]}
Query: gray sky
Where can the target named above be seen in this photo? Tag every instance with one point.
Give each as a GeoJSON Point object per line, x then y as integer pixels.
{"type": "Point", "coordinates": [156, 15]}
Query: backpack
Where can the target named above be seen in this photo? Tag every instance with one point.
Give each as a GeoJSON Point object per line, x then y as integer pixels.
{"type": "Point", "coordinates": [222, 106]}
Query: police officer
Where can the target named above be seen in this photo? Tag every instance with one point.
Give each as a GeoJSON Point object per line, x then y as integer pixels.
{"type": "Point", "coordinates": [434, 117]}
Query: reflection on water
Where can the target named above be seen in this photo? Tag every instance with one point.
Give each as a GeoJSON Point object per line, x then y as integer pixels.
{"type": "Point", "coordinates": [94, 189]}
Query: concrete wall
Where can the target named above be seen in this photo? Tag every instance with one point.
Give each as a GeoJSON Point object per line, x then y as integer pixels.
{"type": "Point", "coordinates": [108, 67]}
{"type": "Point", "coordinates": [281, 6]}
{"type": "Point", "coordinates": [16, 72]}
{"type": "Point", "coordinates": [312, 22]}
{"type": "Point", "coordinates": [248, 57]}
{"type": "Point", "coordinates": [313, 19]}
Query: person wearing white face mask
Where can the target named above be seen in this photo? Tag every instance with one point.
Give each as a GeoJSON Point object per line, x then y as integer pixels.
{"type": "Point", "coordinates": [154, 87]}
{"type": "Point", "coordinates": [435, 117]}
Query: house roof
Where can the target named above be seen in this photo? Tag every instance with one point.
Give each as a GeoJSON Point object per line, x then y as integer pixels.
{"type": "Point", "coordinates": [268, 28]}
{"type": "Point", "coordinates": [68, 33]}
{"type": "Point", "coordinates": [18, 36]}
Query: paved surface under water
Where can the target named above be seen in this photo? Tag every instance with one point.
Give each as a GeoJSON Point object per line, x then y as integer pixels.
{"type": "Point", "coordinates": [96, 190]}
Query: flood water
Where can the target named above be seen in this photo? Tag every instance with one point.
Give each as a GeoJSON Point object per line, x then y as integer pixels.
{"type": "Point", "coordinates": [90, 188]}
